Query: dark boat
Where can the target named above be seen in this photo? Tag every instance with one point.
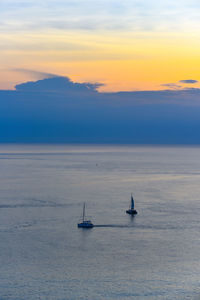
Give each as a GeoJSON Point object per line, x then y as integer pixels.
{"type": "Point", "coordinates": [132, 210]}
{"type": "Point", "coordinates": [85, 223]}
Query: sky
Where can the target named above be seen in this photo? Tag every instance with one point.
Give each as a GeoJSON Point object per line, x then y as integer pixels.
{"type": "Point", "coordinates": [127, 45]}
{"type": "Point", "coordinates": [106, 71]}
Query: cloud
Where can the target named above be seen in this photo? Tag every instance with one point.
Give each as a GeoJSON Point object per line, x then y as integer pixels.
{"type": "Point", "coordinates": [177, 85]}
{"type": "Point", "coordinates": [57, 84]}
{"type": "Point", "coordinates": [171, 85]}
{"type": "Point", "coordinates": [189, 81]}
{"type": "Point", "coordinates": [58, 110]}
{"type": "Point", "coordinates": [36, 74]}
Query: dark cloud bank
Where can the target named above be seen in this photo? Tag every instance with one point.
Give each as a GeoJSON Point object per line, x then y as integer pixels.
{"type": "Point", "coordinates": [57, 110]}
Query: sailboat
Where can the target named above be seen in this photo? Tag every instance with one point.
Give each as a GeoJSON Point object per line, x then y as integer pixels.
{"type": "Point", "coordinates": [132, 210]}
{"type": "Point", "coordinates": [85, 223]}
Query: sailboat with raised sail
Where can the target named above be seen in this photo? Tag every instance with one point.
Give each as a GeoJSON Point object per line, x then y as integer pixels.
{"type": "Point", "coordinates": [132, 210]}
{"type": "Point", "coordinates": [85, 223]}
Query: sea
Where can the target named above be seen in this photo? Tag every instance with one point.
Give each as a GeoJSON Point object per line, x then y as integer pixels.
{"type": "Point", "coordinates": [154, 255]}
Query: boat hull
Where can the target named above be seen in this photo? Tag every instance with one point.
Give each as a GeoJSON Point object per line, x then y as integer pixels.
{"type": "Point", "coordinates": [85, 225]}
{"type": "Point", "coordinates": [131, 212]}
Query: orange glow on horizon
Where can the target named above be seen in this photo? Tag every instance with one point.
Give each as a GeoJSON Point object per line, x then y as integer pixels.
{"type": "Point", "coordinates": [123, 62]}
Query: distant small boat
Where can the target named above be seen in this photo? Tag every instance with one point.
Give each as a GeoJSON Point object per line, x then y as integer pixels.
{"type": "Point", "coordinates": [132, 210]}
{"type": "Point", "coordinates": [85, 223]}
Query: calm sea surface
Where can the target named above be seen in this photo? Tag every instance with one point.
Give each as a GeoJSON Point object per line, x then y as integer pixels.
{"type": "Point", "coordinates": [155, 255]}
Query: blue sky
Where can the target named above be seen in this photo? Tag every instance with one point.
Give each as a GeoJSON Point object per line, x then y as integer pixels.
{"type": "Point", "coordinates": [99, 15]}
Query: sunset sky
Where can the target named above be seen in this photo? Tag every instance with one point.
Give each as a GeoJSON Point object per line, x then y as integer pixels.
{"type": "Point", "coordinates": [127, 45]}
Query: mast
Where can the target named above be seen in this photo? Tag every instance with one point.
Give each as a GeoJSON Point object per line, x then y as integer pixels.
{"type": "Point", "coordinates": [132, 202]}
{"type": "Point", "coordinates": [83, 211]}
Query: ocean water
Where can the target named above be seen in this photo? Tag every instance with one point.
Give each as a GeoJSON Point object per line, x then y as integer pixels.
{"type": "Point", "coordinates": [154, 255]}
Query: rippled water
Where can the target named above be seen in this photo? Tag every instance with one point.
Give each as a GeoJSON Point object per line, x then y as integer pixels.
{"type": "Point", "coordinates": [155, 255]}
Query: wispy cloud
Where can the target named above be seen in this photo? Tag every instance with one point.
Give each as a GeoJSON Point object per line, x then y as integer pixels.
{"type": "Point", "coordinates": [171, 85]}
{"type": "Point", "coordinates": [100, 15]}
{"type": "Point", "coordinates": [189, 81]}
{"type": "Point", "coordinates": [180, 84]}
{"type": "Point", "coordinates": [35, 74]}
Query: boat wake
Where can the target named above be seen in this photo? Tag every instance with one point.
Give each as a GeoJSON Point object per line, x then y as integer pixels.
{"type": "Point", "coordinates": [114, 225]}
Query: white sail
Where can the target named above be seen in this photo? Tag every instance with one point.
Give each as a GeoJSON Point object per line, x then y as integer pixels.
{"type": "Point", "coordinates": [132, 202]}
{"type": "Point", "coordinates": [84, 212]}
